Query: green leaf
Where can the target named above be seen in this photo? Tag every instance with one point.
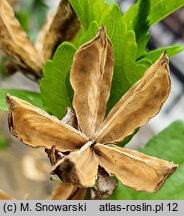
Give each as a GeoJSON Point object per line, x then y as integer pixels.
{"type": "Point", "coordinates": [171, 51]}
{"type": "Point", "coordinates": [167, 145]}
{"type": "Point", "coordinates": [88, 11]}
{"type": "Point", "coordinates": [162, 8]}
{"type": "Point", "coordinates": [141, 26]}
{"type": "Point", "coordinates": [126, 70]}
{"type": "Point", "coordinates": [141, 66]}
{"type": "Point", "coordinates": [133, 70]}
{"type": "Point", "coordinates": [116, 30]}
{"type": "Point", "coordinates": [142, 45]}
{"type": "Point", "coordinates": [53, 84]}
{"type": "Point", "coordinates": [142, 15]}
{"type": "Point", "coordinates": [140, 22]}
{"type": "Point", "coordinates": [90, 33]}
{"type": "Point", "coordinates": [159, 10]}
{"type": "Point", "coordinates": [137, 20]}
{"type": "Point", "coordinates": [32, 97]}
{"type": "Point", "coordinates": [130, 14]}
{"type": "Point", "coordinates": [129, 57]}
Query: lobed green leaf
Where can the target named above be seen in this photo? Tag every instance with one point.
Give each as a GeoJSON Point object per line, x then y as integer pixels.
{"type": "Point", "coordinates": [162, 8]}
{"type": "Point", "coordinates": [88, 11]}
{"type": "Point", "coordinates": [53, 85]}
{"type": "Point", "coordinates": [90, 33]}
{"type": "Point", "coordinates": [116, 30]}
{"type": "Point", "coordinates": [136, 19]}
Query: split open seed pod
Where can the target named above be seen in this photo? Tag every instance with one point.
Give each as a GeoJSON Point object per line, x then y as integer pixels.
{"type": "Point", "coordinates": [92, 146]}
{"type": "Point", "coordinates": [15, 43]}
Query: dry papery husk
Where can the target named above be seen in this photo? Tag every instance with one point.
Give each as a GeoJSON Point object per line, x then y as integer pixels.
{"type": "Point", "coordinates": [63, 26]}
{"type": "Point", "coordinates": [15, 43]}
{"type": "Point", "coordinates": [79, 167]}
{"type": "Point", "coordinates": [134, 169]}
{"type": "Point", "coordinates": [93, 63]}
{"type": "Point", "coordinates": [104, 184]}
{"type": "Point", "coordinates": [84, 150]}
{"type": "Point", "coordinates": [143, 101]}
{"type": "Point", "coordinates": [35, 127]}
